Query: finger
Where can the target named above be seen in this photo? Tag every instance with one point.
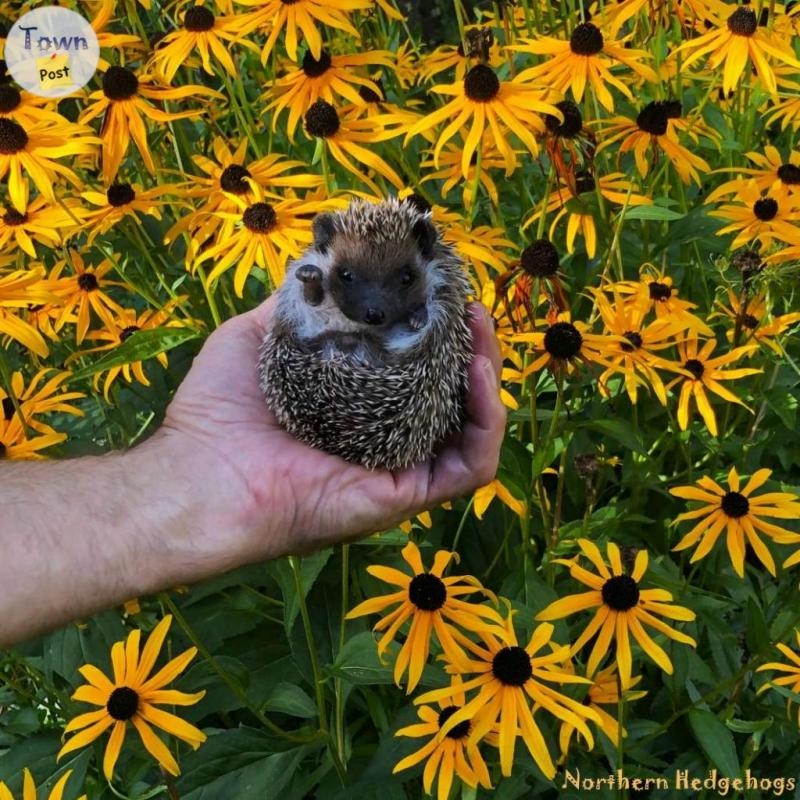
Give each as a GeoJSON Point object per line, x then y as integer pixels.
{"type": "Point", "coordinates": [472, 460]}
{"type": "Point", "coordinates": [484, 341]}
{"type": "Point", "coordinates": [256, 322]}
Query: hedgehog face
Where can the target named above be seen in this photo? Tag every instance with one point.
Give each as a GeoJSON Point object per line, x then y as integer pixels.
{"type": "Point", "coordinates": [377, 287]}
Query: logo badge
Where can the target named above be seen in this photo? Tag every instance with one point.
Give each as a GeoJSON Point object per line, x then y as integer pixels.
{"type": "Point", "coordinates": [52, 51]}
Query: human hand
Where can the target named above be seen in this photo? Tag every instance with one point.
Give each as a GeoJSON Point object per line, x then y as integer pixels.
{"type": "Point", "coordinates": [257, 492]}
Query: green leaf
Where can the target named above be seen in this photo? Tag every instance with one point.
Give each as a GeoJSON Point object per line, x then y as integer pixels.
{"type": "Point", "coordinates": [623, 432]}
{"type": "Point", "coordinates": [290, 699]}
{"type": "Point", "coordinates": [140, 346]}
{"type": "Point", "coordinates": [358, 662]}
{"type": "Point", "coordinates": [652, 213]}
{"type": "Point", "coordinates": [310, 568]}
{"type": "Point", "coordinates": [756, 634]}
{"type": "Point", "coordinates": [716, 740]}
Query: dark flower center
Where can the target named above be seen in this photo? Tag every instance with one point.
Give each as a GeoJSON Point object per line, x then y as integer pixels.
{"type": "Point", "coordinates": [572, 124]}
{"type": "Point", "coordinates": [8, 408]}
{"type": "Point", "coordinates": [563, 340]}
{"type": "Point", "coordinates": [427, 592]}
{"type": "Point", "coordinates": [120, 194]}
{"type": "Point", "coordinates": [260, 218]}
{"type": "Point", "coordinates": [695, 367]}
{"type": "Point", "coordinates": [653, 118]}
{"type": "Point", "coordinates": [765, 208]}
{"type": "Point", "coordinates": [634, 339]}
{"type": "Point", "coordinates": [10, 98]}
{"type": "Point", "coordinates": [458, 731]}
{"type": "Point", "coordinates": [789, 174]}
{"type": "Point", "coordinates": [512, 666]}
{"type": "Point", "coordinates": [584, 182]}
{"type": "Point", "coordinates": [586, 39]}
{"type": "Point", "coordinates": [749, 262]}
{"type": "Point", "coordinates": [2, 450]}
{"type": "Point", "coordinates": [127, 332]}
{"type": "Point", "coordinates": [540, 259]}
{"type": "Point", "coordinates": [313, 67]}
{"type": "Point", "coordinates": [481, 84]}
{"type": "Point", "coordinates": [233, 179]}
{"type": "Point", "coordinates": [322, 120]}
{"type": "Point", "coordinates": [119, 83]}
{"type": "Point", "coordinates": [620, 592]}
{"type": "Point", "coordinates": [198, 18]}
{"type": "Point", "coordinates": [369, 95]}
{"type": "Point", "coordinates": [87, 281]}
{"type": "Point", "coordinates": [743, 21]}
{"type": "Point", "coordinates": [750, 322]}
{"type": "Point", "coordinates": [12, 137]}
{"type": "Point", "coordinates": [123, 703]}
{"type": "Point", "coordinates": [659, 291]}
{"type": "Point", "coordinates": [673, 108]}
{"type": "Point", "coordinates": [13, 217]}
{"type": "Point", "coordinates": [735, 505]}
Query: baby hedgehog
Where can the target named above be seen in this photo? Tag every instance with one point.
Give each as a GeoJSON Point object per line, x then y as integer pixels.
{"type": "Point", "coordinates": [367, 358]}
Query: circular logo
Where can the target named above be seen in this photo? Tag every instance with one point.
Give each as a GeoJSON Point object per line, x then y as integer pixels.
{"type": "Point", "coordinates": [52, 51]}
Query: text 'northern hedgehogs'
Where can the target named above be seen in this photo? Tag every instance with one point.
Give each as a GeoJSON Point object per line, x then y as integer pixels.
{"type": "Point", "coordinates": [368, 355]}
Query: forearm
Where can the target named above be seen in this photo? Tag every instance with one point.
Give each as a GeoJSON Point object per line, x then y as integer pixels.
{"type": "Point", "coordinates": [86, 534]}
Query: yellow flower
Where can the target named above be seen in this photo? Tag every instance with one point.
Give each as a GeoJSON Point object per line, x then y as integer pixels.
{"type": "Point", "coordinates": [29, 788]}
{"type": "Point", "coordinates": [740, 42]}
{"type": "Point", "coordinates": [132, 696]}
{"type": "Point", "coordinates": [433, 604]}
{"type": "Point", "coordinates": [509, 676]}
{"type": "Point", "coordinates": [740, 515]}
{"type": "Point", "coordinates": [770, 169]}
{"type": "Point", "coordinates": [587, 57]}
{"type": "Point", "coordinates": [46, 223]}
{"type": "Point", "coordinates": [623, 610]}
{"type": "Point", "coordinates": [454, 754]}
{"type": "Point", "coordinates": [791, 680]}
{"type": "Point", "coordinates": [485, 494]}
{"type": "Point", "coordinates": [28, 402]}
{"type": "Point", "coordinates": [482, 99]}
{"type": "Point", "coordinates": [750, 315]}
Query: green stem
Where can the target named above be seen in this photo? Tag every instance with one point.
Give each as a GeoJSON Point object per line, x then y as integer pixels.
{"type": "Point", "coordinates": [338, 684]}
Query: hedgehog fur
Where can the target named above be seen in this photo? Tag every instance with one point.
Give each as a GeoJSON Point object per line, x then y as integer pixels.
{"type": "Point", "coordinates": [386, 411]}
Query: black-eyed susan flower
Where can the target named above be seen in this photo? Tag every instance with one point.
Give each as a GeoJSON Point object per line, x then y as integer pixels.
{"type": "Point", "coordinates": [454, 755]}
{"type": "Point", "coordinates": [586, 57]}
{"type": "Point", "coordinates": [121, 200]}
{"type": "Point", "coordinates": [484, 495]}
{"type": "Point", "coordinates": [770, 168]}
{"type": "Point", "coordinates": [737, 42]}
{"type": "Point", "coordinates": [481, 99]}
{"type": "Point", "coordinates": [508, 678]}
{"type": "Point", "coordinates": [298, 16]}
{"type": "Point", "coordinates": [18, 290]}
{"type": "Point", "coordinates": [755, 325]}
{"type": "Point", "coordinates": [38, 398]}
{"type": "Point", "coordinates": [40, 223]}
{"type": "Point", "coordinates": [30, 150]}
{"type": "Point", "coordinates": [202, 32]}
{"type": "Point", "coordinates": [791, 680]}
{"type": "Point", "coordinates": [322, 78]}
{"type": "Point", "coordinates": [133, 696]}
{"type": "Point", "coordinates": [124, 325]}
{"type": "Point", "coordinates": [29, 788]}
{"type": "Point", "coordinates": [433, 604]}
{"type": "Point", "coordinates": [344, 137]}
{"type": "Point", "coordinates": [562, 343]}
{"type": "Point", "coordinates": [651, 134]}
{"type": "Point", "coordinates": [704, 375]}
{"type": "Point", "coordinates": [260, 233]}
{"type": "Point", "coordinates": [15, 444]}
{"type": "Point", "coordinates": [623, 610]}
{"type": "Point", "coordinates": [124, 101]}
{"type": "Point", "coordinates": [760, 217]}
{"type": "Point", "coordinates": [604, 691]}
{"type": "Point", "coordinates": [738, 513]}
{"type": "Point", "coordinates": [83, 291]}
{"type": "Point", "coordinates": [570, 146]}
{"type": "Point", "coordinates": [25, 108]}
{"type": "Point", "coordinates": [636, 343]}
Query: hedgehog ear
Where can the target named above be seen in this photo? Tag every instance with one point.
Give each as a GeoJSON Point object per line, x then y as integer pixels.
{"type": "Point", "coordinates": [426, 235]}
{"type": "Point", "coordinates": [324, 229]}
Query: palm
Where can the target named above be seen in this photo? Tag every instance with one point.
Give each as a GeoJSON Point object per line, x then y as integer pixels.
{"type": "Point", "coordinates": [253, 465]}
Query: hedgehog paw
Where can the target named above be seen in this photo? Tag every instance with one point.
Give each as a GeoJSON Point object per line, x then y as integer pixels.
{"type": "Point", "coordinates": [418, 319]}
{"type": "Point", "coordinates": [311, 278]}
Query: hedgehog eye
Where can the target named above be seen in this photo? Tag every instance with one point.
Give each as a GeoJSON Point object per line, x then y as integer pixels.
{"type": "Point", "coordinates": [344, 274]}
{"type": "Point", "coordinates": [407, 277]}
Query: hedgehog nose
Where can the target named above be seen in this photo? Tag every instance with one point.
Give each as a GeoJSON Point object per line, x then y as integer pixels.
{"type": "Point", "coordinates": [374, 316]}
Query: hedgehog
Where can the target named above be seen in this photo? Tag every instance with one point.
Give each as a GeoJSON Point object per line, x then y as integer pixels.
{"type": "Point", "coordinates": [368, 354]}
